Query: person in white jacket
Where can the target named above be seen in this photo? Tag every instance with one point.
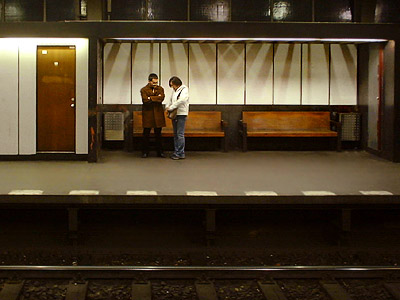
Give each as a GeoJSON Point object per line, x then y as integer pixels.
{"type": "Point", "coordinates": [179, 100]}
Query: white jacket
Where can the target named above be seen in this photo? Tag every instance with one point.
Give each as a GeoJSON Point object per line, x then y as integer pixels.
{"type": "Point", "coordinates": [182, 103]}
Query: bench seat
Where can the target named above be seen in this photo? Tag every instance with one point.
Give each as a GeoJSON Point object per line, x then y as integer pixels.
{"type": "Point", "coordinates": [288, 124]}
{"type": "Point", "coordinates": [293, 133]}
{"type": "Point", "coordinates": [207, 124]}
{"type": "Point", "coordinates": [167, 132]}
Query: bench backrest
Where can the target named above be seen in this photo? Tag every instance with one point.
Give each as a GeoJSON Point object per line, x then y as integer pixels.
{"type": "Point", "coordinates": [137, 121]}
{"type": "Point", "coordinates": [204, 121]}
{"type": "Point", "coordinates": [197, 120]}
{"type": "Point", "coordinates": [286, 120]}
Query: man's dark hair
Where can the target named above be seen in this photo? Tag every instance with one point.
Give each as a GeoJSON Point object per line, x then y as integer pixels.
{"type": "Point", "coordinates": [175, 80]}
{"type": "Point", "coordinates": [153, 76]}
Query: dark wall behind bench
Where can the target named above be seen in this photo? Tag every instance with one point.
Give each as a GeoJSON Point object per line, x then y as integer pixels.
{"type": "Point", "coordinates": [232, 114]}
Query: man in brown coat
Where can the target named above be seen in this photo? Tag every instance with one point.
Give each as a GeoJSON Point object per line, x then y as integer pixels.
{"type": "Point", "coordinates": [153, 114]}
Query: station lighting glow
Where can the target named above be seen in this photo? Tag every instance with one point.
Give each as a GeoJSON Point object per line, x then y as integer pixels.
{"type": "Point", "coordinates": [333, 40]}
{"type": "Point", "coordinates": [282, 10]}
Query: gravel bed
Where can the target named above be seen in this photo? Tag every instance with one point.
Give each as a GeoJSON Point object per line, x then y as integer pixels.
{"type": "Point", "coordinates": [295, 289]}
{"type": "Point", "coordinates": [108, 289]}
{"type": "Point", "coordinates": [209, 258]}
{"type": "Point", "coordinates": [173, 289]}
{"type": "Point", "coordinates": [302, 289]}
{"type": "Point", "coordinates": [91, 259]}
{"type": "Point", "coordinates": [366, 289]}
{"type": "Point", "coordinates": [238, 290]}
{"type": "Point", "coordinates": [307, 258]}
{"type": "Point", "coordinates": [44, 290]}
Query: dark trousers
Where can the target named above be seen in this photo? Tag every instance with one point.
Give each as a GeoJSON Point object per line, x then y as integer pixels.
{"type": "Point", "coordinates": [146, 139]}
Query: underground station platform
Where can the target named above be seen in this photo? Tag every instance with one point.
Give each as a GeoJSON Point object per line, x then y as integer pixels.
{"type": "Point", "coordinates": [209, 181]}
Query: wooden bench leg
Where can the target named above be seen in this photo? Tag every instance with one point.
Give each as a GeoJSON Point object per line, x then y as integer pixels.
{"type": "Point", "coordinates": [244, 137]}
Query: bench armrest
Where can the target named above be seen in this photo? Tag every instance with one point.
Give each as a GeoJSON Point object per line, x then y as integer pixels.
{"type": "Point", "coordinates": [242, 128]}
{"type": "Point", "coordinates": [338, 128]}
{"type": "Point", "coordinates": [337, 124]}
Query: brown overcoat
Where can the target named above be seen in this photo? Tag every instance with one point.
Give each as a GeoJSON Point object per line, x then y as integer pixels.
{"type": "Point", "coordinates": [152, 109]}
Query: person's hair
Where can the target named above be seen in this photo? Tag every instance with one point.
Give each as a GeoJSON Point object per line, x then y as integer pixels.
{"type": "Point", "coordinates": [153, 76]}
{"type": "Point", "coordinates": [175, 81]}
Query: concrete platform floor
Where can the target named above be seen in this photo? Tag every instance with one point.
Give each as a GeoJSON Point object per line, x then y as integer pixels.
{"type": "Point", "coordinates": [232, 173]}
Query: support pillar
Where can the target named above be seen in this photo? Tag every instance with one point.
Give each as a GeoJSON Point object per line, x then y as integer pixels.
{"type": "Point", "coordinates": [73, 223]}
{"type": "Point", "coordinates": [210, 225]}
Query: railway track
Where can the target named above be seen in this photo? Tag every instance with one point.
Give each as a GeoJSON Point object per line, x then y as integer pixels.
{"type": "Point", "coordinates": [211, 283]}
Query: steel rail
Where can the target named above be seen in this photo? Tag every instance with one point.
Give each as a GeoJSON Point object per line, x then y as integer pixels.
{"type": "Point", "coordinates": [220, 272]}
{"type": "Point", "coordinates": [197, 268]}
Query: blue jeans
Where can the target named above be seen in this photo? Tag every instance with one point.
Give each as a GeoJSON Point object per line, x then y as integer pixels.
{"type": "Point", "coordinates": [179, 135]}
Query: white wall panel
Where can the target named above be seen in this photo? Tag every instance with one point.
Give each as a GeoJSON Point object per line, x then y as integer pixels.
{"type": "Point", "coordinates": [259, 73]}
{"type": "Point", "coordinates": [174, 62]}
{"type": "Point", "coordinates": [230, 80]}
{"type": "Point", "coordinates": [117, 73]}
{"type": "Point", "coordinates": [287, 70]}
{"type": "Point", "coordinates": [82, 95]}
{"type": "Point", "coordinates": [27, 97]}
{"type": "Point", "coordinates": [27, 103]}
{"type": "Point", "coordinates": [343, 85]}
{"type": "Point", "coordinates": [315, 74]}
{"type": "Point", "coordinates": [145, 60]}
{"type": "Point", "coordinates": [203, 73]}
{"type": "Point", "coordinates": [8, 97]}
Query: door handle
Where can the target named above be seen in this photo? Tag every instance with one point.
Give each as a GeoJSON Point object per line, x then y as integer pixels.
{"type": "Point", "coordinates": [72, 105]}
{"type": "Point", "coordinates": [72, 99]}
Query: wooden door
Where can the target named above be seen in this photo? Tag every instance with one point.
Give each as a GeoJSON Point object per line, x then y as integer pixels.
{"type": "Point", "coordinates": [56, 99]}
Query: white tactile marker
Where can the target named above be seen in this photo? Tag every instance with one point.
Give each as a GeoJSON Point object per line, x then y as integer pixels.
{"type": "Point", "coordinates": [318, 193]}
{"type": "Point", "coordinates": [375, 193]}
{"type": "Point", "coordinates": [141, 193]}
{"type": "Point", "coordinates": [201, 193]}
{"type": "Point", "coordinates": [26, 192]}
{"type": "Point", "coordinates": [260, 193]}
{"type": "Point", "coordinates": [84, 192]}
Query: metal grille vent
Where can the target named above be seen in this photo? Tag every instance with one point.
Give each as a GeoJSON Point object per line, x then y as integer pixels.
{"type": "Point", "coordinates": [351, 126]}
{"type": "Point", "coordinates": [113, 126]}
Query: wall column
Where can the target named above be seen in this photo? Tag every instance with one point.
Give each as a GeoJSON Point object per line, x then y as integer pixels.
{"type": "Point", "coordinates": [93, 124]}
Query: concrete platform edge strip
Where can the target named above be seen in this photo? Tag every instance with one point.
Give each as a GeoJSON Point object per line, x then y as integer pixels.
{"type": "Point", "coordinates": [379, 193]}
{"type": "Point", "coordinates": [201, 193]}
{"type": "Point", "coordinates": [261, 193]}
{"type": "Point", "coordinates": [318, 193]}
{"type": "Point", "coordinates": [26, 192]}
{"type": "Point", "coordinates": [84, 192]}
{"type": "Point", "coordinates": [141, 193]}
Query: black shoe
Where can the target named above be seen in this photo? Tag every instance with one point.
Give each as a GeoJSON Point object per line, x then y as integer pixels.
{"type": "Point", "coordinates": [145, 155]}
{"type": "Point", "coordinates": [176, 157]}
{"type": "Point", "coordinates": [161, 154]}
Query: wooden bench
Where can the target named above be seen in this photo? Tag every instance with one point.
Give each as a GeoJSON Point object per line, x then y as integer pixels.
{"type": "Point", "coordinates": [288, 124]}
{"type": "Point", "coordinates": [198, 124]}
